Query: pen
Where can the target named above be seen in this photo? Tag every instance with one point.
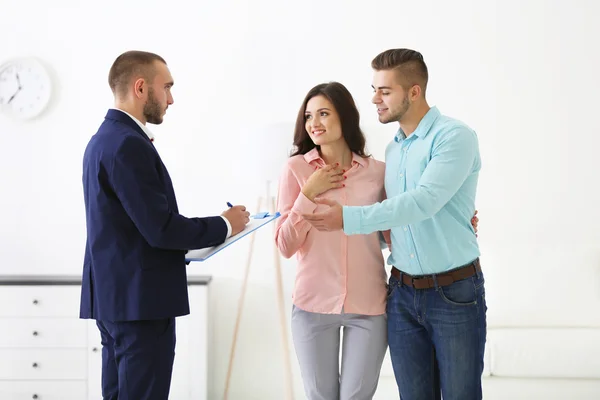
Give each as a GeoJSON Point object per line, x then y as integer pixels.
{"type": "Point", "coordinates": [229, 204]}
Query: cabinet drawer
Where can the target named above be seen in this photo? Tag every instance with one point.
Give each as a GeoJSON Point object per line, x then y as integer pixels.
{"type": "Point", "coordinates": [33, 364]}
{"type": "Point", "coordinates": [40, 301]}
{"type": "Point", "coordinates": [28, 390]}
{"type": "Point", "coordinates": [43, 332]}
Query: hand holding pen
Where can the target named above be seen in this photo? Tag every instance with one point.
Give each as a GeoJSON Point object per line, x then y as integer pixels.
{"type": "Point", "coordinates": [237, 216]}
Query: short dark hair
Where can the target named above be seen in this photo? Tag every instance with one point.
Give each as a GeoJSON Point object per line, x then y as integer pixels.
{"type": "Point", "coordinates": [130, 64]}
{"type": "Point", "coordinates": [345, 107]}
{"type": "Point", "coordinates": [409, 63]}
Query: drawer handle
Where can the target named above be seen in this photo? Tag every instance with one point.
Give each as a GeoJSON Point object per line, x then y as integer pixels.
{"type": "Point", "coordinates": [35, 301]}
{"type": "Point", "coordinates": [95, 349]}
{"type": "Point", "coordinates": [35, 396]}
{"type": "Point", "coordinates": [35, 333]}
{"type": "Point", "coordinates": [35, 365]}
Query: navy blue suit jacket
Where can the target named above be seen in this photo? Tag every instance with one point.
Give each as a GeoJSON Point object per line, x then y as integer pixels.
{"type": "Point", "coordinates": [134, 266]}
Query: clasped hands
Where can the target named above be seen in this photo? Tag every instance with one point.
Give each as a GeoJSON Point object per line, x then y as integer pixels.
{"type": "Point", "coordinates": [320, 181]}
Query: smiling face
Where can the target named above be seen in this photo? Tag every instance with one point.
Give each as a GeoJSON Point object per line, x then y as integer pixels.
{"type": "Point", "coordinates": [328, 117]}
{"type": "Point", "coordinates": [392, 100]}
{"type": "Point", "coordinates": [322, 121]}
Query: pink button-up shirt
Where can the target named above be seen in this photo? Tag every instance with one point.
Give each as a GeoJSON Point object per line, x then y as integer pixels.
{"type": "Point", "coordinates": [335, 271]}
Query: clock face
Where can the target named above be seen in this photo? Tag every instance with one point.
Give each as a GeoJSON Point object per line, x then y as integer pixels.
{"type": "Point", "coordinates": [25, 88]}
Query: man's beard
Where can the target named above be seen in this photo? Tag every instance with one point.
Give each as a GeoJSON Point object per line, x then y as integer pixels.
{"type": "Point", "coordinates": [398, 114]}
{"type": "Point", "coordinates": [152, 110]}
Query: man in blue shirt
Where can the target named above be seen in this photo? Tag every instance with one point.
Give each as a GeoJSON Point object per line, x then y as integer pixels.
{"type": "Point", "coordinates": [436, 306]}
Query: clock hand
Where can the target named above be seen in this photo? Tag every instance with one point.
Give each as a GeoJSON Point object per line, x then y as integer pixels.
{"type": "Point", "coordinates": [18, 89]}
{"type": "Point", "coordinates": [13, 96]}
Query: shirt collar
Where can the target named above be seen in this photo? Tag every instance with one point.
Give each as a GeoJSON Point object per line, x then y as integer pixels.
{"type": "Point", "coordinates": [147, 131]}
{"type": "Point", "coordinates": [424, 125]}
{"type": "Point", "coordinates": [313, 155]}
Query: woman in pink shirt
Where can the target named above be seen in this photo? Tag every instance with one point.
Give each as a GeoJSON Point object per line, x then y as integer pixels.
{"type": "Point", "coordinates": [341, 280]}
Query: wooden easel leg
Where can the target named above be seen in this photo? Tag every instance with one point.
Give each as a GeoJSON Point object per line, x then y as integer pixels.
{"type": "Point", "coordinates": [240, 307]}
{"type": "Point", "coordinates": [282, 321]}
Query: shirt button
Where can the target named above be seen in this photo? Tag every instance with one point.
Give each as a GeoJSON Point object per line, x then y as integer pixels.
{"type": "Point", "coordinates": [401, 175]}
{"type": "Point", "coordinates": [405, 229]}
{"type": "Point", "coordinates": [412, 256]}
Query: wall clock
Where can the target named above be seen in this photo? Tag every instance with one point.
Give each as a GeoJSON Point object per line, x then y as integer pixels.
{"type": "Point", "coordinates": [25, 88]}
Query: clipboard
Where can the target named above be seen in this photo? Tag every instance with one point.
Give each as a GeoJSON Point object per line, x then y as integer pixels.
{"type": "Point", "coordinates": [256, 221]}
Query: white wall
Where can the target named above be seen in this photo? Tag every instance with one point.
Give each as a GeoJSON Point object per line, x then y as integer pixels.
{"type": "Point", "coordinates": [524, 74]}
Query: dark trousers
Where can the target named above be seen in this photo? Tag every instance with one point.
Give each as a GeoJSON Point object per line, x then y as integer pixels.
{"type": "Point", "coordinates": [137, 359]}
{"type": "Point", "coordinates": [444, 325]}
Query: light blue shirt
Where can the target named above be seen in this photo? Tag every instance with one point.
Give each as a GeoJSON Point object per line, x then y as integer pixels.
{"type": "Point", "coordinates": [430, 182]}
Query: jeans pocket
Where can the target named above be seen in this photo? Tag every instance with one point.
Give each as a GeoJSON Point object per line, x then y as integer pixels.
{"type": "Point", "coordinates": [392, 284]}
{"type": "Point", "coordinates": [461, 293]}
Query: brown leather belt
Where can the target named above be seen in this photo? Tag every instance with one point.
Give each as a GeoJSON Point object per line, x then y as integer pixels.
{"type": "Point", "coordinates": [443, 279]}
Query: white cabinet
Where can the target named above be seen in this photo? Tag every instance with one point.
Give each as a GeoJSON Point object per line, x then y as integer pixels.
{"type": "Point", "coordinates": [48, 353]}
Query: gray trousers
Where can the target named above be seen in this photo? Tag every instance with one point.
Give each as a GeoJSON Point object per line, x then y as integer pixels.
{"type": "Point", "coordinates": [317, 344]}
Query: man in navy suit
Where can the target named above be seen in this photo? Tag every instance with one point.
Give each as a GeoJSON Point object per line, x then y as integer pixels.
{"type": "Point", "coordinates": [134, 273]}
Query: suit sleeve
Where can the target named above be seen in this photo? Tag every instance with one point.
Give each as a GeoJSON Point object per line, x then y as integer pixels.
{"type": "Point", "coordinates": [138, 185]}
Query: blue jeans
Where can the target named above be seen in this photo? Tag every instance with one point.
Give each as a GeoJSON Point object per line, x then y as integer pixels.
{"type": "Point", "coordinates": [444, 324]}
